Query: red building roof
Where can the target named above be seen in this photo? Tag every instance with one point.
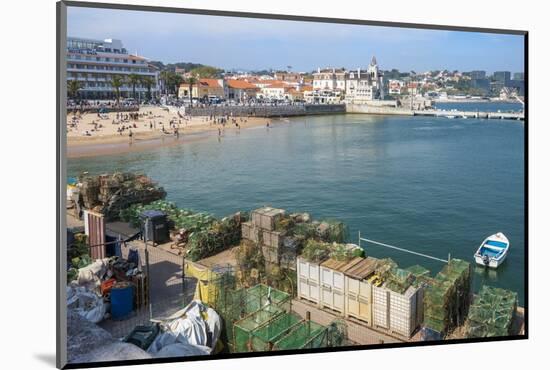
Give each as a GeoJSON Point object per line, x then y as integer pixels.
{"type": "Point", "coordinates": [240, 84]}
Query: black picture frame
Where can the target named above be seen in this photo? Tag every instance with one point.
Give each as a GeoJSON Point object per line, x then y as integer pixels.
{"type": "Point", "coordinates": [61, 15]}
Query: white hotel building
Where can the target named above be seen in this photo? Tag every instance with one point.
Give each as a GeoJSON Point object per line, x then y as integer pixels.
{"type": "Point", "coordinates": [356, 87]}
{"type": "Point", "coordinates": [94, 62]}
{"type": "Point", "coordinates": [365, 87]}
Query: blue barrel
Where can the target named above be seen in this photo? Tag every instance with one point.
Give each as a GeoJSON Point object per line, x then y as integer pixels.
{"type": "Point", "coordinates": [122, 300]}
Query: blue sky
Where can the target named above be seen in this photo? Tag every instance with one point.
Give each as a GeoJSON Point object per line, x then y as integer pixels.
{"type": "Point", "coordinates": [244, 43]}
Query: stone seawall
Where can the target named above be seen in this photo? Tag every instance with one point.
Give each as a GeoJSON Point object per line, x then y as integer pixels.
{"type": "Point", "coordinates": [268, 111]}
{"type": "Point", "coordinates": [366, 109]}
{"type": "Point", "coordinates": [85, 109]}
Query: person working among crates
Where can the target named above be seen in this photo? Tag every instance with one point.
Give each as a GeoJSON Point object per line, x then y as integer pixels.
{"type": "Point", "coordinates": [182, 237]}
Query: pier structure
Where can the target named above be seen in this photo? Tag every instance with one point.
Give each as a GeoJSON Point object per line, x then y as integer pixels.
{"type": "Point", "coordinates": [470, 114]}
{"type": "Point", "coordinates": [404, 111]}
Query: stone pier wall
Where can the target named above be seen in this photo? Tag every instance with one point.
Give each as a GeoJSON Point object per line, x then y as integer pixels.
{"type": "Point", "coordinates": [268, 111]}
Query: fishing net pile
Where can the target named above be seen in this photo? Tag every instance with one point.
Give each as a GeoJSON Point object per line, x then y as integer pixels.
{"type": "Point", "coordinates": [111, 193]}
{"type": "Point", "coordinates": [492, 313]}
{"type": "Point", "coordinates": [179, 217]}
{"type": "Point", "coordinates": [446, 299]}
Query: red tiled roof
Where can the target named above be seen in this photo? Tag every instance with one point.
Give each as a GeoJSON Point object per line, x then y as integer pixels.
{"type": "Point", "coordinates": [240, 84]}
{"type": "Point", "coordinates": [210, 82]}
{"type": "Point", "coordinates": [276, 85]}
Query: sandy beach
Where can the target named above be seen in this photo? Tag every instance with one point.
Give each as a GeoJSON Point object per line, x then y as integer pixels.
{"type": "Point", "coordinates": [90, 134]}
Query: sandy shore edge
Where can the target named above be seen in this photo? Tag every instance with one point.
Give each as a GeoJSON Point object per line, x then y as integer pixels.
{"type": "Point", "coordinates": [148, 132]}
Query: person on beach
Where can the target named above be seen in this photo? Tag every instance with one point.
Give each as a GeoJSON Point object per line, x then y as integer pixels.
{"type": "Point", "coordinates": [131, 135]}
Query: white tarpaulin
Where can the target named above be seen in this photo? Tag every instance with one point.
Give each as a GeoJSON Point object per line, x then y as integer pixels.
{"type": "Point", "coordinates": [91, 275]}
{"type": "Point", "coordinates": [86, 303]}
{"type": "Point", "coordinates": [194, 330]}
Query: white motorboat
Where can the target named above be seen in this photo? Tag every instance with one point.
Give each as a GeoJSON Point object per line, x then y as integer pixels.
{"type": "Point", "coordinates": [493, 251]}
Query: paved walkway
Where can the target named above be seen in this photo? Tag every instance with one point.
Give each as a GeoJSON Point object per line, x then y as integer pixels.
{"type": "Point", "coordinates": [168, 294]}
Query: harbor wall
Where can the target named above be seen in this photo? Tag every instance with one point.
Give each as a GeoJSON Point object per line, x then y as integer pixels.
{"type": "Point", "coordinates": [96, 109]}
{"type": "Point", "coordinates": [385, 110]}
{"type": "Point", "coordinates": [320, 109]}
{"type": "Point", "coordinates": [267, 111]}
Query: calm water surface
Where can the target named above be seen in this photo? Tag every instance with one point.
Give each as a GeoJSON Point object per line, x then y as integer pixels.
{"type": "Point", "coordinates": [433, 185]}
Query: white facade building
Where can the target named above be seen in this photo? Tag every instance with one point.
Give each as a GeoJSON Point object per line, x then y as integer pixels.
{"type": "Point", "coordinates": [323, 97]}
{"type": "Point", "coordinates": [274, 91]}
{"type": "Point", "coordinates": [95, 62]}
{"type": "Point", "coordinates": [329, 79]}
{"type": "Point", "coordinates": [362, 87]}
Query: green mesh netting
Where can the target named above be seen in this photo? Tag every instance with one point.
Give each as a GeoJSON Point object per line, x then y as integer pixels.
{"type": "Point", "coordinates": [418, 270]}
{"type": "Point", "coordinates": [307, 334]}
{"type": "Point", "coordinates": [242, 330]}
{"type": "Point", "coordinates": [399, 280]}
{"type": "Point", "coordinates": [446, 299]}
{"type": "Point", "coordinates": [235, 304]}
{"type": "Point", "coordinates": [492, 313]}
{"type": "Point", "coordinates": [383, 267]}
{"type": "Point", "coordinates": [272, 331]}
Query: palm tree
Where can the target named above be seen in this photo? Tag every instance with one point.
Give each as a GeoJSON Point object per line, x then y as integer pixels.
{"type": "Point", "coordinates": [134, 79]}
{"type": "Point", "coordinates": [191, 81]}
{"type": "Point", "coordinates": [148, 81]}
{"type": "Point", "coordinates": [73, 87]}
{"type": "Point", "coordinates": [165, 77]}
{"type": "Point", "coordinates": [117, 82]}
{"type": "Point", "coordinates": [176, 82]}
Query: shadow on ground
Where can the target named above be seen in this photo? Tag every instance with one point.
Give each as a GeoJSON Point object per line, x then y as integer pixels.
{"type": "Point", "coordinates": [46, 358]}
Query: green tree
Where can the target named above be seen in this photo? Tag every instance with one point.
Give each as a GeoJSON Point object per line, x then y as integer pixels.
{"type": "Point", "coordinates": [117, 82]}
{"type": "Point", "coordinates": [165, 78]}
{"type": "Point", "coordinates": [176, 82]}
{"type": "Point", "coordinates": [191, 81]}
{"type": "Point", "coordinates": [73, 87]}
{"type": "Point", "coordinates": [206, 72]}
{"type": "Point", "coordinates": [148, 81]}
{"type": "Point", "coordinates": [134, 80]}
{"type": "Point", "coordinates": [171, 81]}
